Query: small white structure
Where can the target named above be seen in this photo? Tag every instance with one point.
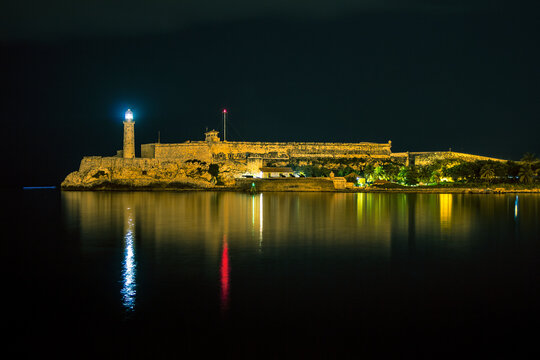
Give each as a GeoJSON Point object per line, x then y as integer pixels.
{"type": "Point", "coordinates": [276, 172]}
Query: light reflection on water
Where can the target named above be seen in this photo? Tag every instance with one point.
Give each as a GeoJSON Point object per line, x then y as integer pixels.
{"type": "Point", "coordinates": [445, 201]}
{"type": "Point", "coordinates": [224, 274]}
{"type": "Point", "coordinates": [261, 220]}
{"type": "Point", "coordinates": [129, 264]}
{"type": "Point", "coordinates": [217, 238]}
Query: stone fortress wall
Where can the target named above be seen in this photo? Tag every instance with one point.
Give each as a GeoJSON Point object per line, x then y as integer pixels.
{"type": "Point", "coordinates": [428, 157]}
{"type": "Point", "coordinates": [216, 150]}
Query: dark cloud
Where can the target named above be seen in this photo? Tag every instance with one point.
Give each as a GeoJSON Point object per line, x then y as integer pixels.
{"type": "Point", "coordinates": [26, 19]}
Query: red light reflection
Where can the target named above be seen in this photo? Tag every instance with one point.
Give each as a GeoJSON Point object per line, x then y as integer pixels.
{"type": "Point", "coordinates": [224, 272]}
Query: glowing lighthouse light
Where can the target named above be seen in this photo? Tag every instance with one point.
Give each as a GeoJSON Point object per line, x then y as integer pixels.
{"type": "Point", "coordinates": [224, 111]}
{"type": "Point", "coordinates": [129, 115]}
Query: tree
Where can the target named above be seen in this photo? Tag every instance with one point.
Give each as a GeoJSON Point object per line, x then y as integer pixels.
{"type": "Point", "coordinates": [461, 171]}
{"type": "Point", "coordinates": [526, 174]}
{"type": "Point", "coordinates": [529, 158]}
{"type": "Point", "coordinates": [314, 171]}
{"type": "Point", "coordinates": [391, 170]}
{"type": "Point", "coordinates": [351, 177]}
{"type": "Point", "coordinates": [435, 176]}
{"type": "Point", "coordinates": [379, 173]}
{"type": "Point", "coordinates": [444, 172]}
{"type": "Point", "coordinates": [500, 169]}
{"type": "Point", "coordinates": [412, 177]}
{"type": "Point", "coordinates": [476, 167]}
{"type": "Point", "coordinates": [512, 169]}
{"type": "Point", "coordinates": [368, 170]}
{"type": "Point", "coordinates": [487, 172]}
{"type": "Point", "coordinates": [408, 175]}
{"type": "Point", "coordinates": [402, 175]}
{"type": "Point", "coordinates": [344, 171]}
{"type": "Point", "coordinates": [424, 174]}
{"type": "Point", "coordinates": [213, 170]}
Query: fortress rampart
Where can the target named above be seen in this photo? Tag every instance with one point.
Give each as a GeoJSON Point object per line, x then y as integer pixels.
{"type": "Point", "coordinates": [216, 151]}
{"type": "Point", "coordinates": [428, 157]}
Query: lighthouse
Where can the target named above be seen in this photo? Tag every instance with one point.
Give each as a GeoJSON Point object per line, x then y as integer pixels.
{"type": "Point", "coordinates": [129, 135]}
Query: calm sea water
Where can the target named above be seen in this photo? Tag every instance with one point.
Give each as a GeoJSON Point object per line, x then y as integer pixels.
{"type": "Point", "coordinates": [161, 274]}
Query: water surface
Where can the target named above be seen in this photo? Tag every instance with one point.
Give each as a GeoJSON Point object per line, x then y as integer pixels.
{"type": "Point", "coordinates": [275, 274]}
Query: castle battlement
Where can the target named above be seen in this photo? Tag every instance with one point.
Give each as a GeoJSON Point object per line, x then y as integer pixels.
{"type": "Point", "coordinates": [213, 149]}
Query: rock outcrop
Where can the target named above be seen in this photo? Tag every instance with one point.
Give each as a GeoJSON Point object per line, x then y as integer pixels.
{"type": "Point", "coordinates": [110, 173]}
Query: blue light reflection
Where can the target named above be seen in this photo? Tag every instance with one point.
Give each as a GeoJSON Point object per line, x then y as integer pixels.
{"type": "Point", "coordinates": [129, 266]}
{"type": "Point", "coordinates": [38, 187]}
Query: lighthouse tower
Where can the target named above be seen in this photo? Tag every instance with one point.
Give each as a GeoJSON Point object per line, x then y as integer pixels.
{"type": "Point", "coordinates": [129, 135]}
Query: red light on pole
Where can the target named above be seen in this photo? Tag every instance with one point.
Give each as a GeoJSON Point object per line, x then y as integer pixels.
{"type": "Point", "coordinates": [224, 124]}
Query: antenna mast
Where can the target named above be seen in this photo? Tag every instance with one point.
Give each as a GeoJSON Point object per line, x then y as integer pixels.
{"type": "Point", "coordinates": [224, 124]}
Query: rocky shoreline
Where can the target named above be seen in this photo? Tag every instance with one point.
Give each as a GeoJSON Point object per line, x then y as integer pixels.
{"type": "Point", "coordinates": [118, 174]}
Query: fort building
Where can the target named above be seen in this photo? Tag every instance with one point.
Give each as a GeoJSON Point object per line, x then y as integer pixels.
{"type": "Point", "coordinates": [187, 164]}
{"type": "Point", "coordinates": [212, 149]}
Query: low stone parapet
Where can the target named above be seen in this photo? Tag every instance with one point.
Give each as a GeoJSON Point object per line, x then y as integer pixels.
{"type": "Point", "coordinates": [286, 184]}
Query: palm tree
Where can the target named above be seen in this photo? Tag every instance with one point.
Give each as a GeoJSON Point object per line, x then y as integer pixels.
{"type": "Point", "coordinates": [379, 173]}
{"type": "Point", "coordinates": [424, 173]}
{"type": "Point", "coordinates": [402, 174]}
{"type": "Point", "coordinates": [529, 158]}
{"type": "Point", "coordinates": [435, 176]}
{"type": "Point", "coordinates": [391, 171]}
{"type": "Point", "coordinates": [412, 177]}
{"type": "Point", "coordinates": [487, 172]}
{"type": "Point", "coordinates": [368, 170]}
{"type": "Point", "coordinates": [526, 174]}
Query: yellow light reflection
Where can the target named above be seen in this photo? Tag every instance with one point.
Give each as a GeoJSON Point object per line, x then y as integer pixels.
{"type": "Point", "coordinates": [253, 211]}
{"type": "Point", "coordinates": [359, 206]}
{"type": "Point", "coordinates": [445, 203]}
{"type": "Point", "coordinates": [261, 217]}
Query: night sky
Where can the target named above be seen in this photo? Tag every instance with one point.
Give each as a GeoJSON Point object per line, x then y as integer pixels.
{"type": "Point", "coordinates": [428, 75]}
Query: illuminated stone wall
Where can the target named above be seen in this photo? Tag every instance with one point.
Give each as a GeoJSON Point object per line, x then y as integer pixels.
{"type": "Point", "coordinates": [292, 184]}
{"type": "Point", "coordinates": [254, 165]}
{"type": "Point", "coordinates": [198, 150]}
{"type": "Point", "coordinates": [148, 151]}
{"type": "Point", "coordinates": [428, 157]}
{"type": "Point", "coordinates": [215, 151]}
